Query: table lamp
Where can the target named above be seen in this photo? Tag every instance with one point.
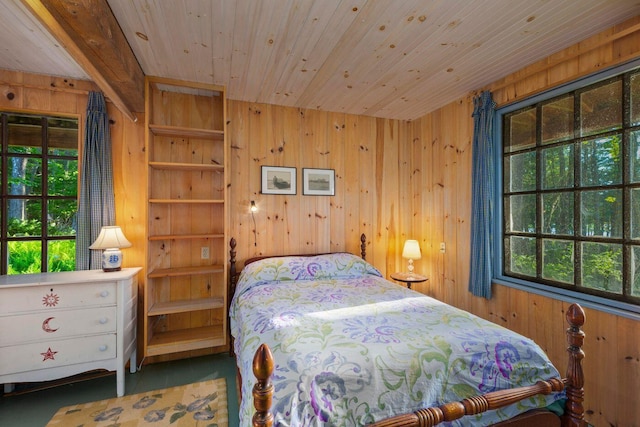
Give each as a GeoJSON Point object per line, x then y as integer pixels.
{"type": "Point", "coordinates": [111, 239]}
{"type": "Point", "coordinates": [411, 251]}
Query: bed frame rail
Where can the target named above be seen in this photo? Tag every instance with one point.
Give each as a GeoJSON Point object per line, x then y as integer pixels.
{"type": "Point", "coordinates": [263, 365]}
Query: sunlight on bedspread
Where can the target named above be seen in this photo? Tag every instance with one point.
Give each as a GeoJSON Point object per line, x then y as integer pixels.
{"type": "Point", "coordinates": [351, 348]}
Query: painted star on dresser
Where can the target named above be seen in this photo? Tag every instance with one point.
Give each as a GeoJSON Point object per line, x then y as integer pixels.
{"type": "Point", "coordinates": [49, 354]}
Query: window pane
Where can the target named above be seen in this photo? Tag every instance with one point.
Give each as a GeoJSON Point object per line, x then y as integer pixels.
{"type": "Point", "coordinates": [557, 213]}
{"type": "Point", "coordinates": [602, 266]}
{"type": "Point", "coordinates": [25, 134]}
{"type": "Point", "coordinates": [24, 218]}
{"type": "Point", "coordinates": [521, 211]}
{"type": "Point", "coordinates": [635, 100]}
{"type": "Point", "coordinates": [523, 255]}
{"type": "Point", "coordinates": [25, 176]}
{"type": "Point", "coordinates": [24, 257]}
{"type": "Point", "coordinates": [557, 165]}
{"type": "Point", "coordinates": [634, 156]}
{"type": "Point", "coordinates": [635, 271]}
{"type": "Point", "coordinates": [557, 260]}
{"type": "Point", "coordinates": [62, 255]}
{"type": "Point", "coordinates": [61, 217]}
{"type": "Point", "coordinates": [63, 177]}
{"type": "Point", "coordinates": [634, 203]}
{"type": "Point", "coordinates": [521, 172]}
{"type": "Point", "coordinates": [521, 130]}
{"type": "Point", "coordinates": [600, 161]}
{"type": "Point", "coordinates": [63, 137]}
{"type": "Point", "coordinates": [601, 213]}
{"type": "Point", "coordinates": [601, 109]}
{"type": "Point", "coordinates": [557, 120]}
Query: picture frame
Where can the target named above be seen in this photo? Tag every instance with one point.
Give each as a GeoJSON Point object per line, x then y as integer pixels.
{"type": "Point", "coordinates": [278, 180]}
{"type": "Point", "coordinates": [318, 182]}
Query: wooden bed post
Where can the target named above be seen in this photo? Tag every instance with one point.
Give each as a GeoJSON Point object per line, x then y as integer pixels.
{"type": "Point", "coordinates": [363, 246]}
{"type": "Point", "coordinates": [231, 290]}
{"type": "Point", "coordinates": [574, 383]}
{"type": "Point", "coordinates": [263, 388]}
{"type": "Point", "coordinates": [232, 260]}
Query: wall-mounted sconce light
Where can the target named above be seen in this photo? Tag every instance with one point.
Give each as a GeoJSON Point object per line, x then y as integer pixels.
{"type": "Point", "coordinates": [253, 209]}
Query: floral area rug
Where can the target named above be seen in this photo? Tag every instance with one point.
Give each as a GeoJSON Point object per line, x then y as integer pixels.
{"type": "Point", "coordinates": [202, 404]}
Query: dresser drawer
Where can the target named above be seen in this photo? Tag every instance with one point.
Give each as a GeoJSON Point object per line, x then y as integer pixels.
{"type": "Point", "coordinates": [52, 354]}
{"type": "Point", "coordinates": [45, 326]}
{"type": "Point", "coordinates": [55, 297]}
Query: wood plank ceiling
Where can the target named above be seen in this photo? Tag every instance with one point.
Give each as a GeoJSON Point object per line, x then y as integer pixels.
{"type": "Point", "coordinates": [385, 58]}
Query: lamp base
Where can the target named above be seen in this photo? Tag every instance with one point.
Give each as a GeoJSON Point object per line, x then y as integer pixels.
{"type": "Point", "coordinates": [111, 260]}
{"type": "Point", "coordinates": [410, 266]}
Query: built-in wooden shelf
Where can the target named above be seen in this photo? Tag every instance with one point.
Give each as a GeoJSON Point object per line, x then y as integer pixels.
{"type": "Point", "coordinates": [198, 167]}
{"type": "Point", "coordinates": [184, 306]}
{"type": "Point", "coordinates": [187, 167]}
{"type": "Point", "coordinates": [185, 271]}
{"type": "Point", "coordinates": [186, 339]}
{"type": "Point", "coordinates": [180, 131]}
{"type": "Point", "coordinates": [187, 236]}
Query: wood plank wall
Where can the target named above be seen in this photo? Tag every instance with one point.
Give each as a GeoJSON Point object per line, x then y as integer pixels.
{"type": "Point", "coordinates": [394, 180]}
{"type": "Point", "coordinates": [363, 151]}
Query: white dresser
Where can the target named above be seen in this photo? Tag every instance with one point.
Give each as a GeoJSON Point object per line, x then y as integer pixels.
{"type": "Point", "coordinates": [54, 325]}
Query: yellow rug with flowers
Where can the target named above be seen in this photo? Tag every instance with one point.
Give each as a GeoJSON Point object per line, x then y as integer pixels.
{"type": "Point", "coordinates": [198, 404]}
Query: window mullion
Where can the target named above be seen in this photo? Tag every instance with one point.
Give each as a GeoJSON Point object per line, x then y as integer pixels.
{"type": "Point", "coordinates": [4, 254]}
{"type": "Point", "coordinates": [45, 192]}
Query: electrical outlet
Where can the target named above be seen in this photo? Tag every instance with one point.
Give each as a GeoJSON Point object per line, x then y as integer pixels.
{"type": "Point", "coordinates": [443, 248]}
{"type": "Point", "coordinates": [204, 252]}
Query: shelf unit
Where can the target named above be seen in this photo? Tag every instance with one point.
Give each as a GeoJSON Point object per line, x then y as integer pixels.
{"type": "Point", "coordinates": [185, 302]}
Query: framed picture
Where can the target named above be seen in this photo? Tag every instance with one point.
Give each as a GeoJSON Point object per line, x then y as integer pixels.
{"type": "Point", "coordinates": [318, 182]}
{"type": "Point", "coordinates": [278, 180]}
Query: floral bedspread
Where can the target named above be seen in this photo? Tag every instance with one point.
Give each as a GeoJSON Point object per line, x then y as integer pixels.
{"type": "Point", "coordinates": [351, 348]}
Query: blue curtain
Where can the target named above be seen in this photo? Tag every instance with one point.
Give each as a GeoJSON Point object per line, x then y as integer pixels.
{"type": "Point", "coordinates": [96, 204]}
{"type": "Point", "coordinates": [482, 193]}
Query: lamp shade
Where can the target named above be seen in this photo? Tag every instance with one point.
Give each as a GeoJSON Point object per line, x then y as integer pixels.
{"type": "Point", "coordinates": [110, 237]}
{"type": "Point", "coordinates": [411, 250]}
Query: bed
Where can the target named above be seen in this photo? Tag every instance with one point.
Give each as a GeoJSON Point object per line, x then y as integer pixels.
{"type": "Point", "coordinates": [326, 340]}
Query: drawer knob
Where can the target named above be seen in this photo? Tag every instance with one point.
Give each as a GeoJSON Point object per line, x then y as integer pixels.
{"type": "Point", "coordinates": [104, 294]}
{"type": "Point", "coordinates": [103, 348]}
{"type": "Point", "coordinates": [103, 320]}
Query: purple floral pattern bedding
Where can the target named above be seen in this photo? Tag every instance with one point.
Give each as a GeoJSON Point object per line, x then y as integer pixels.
{"type": "Point", "coordinates": [351, 348]}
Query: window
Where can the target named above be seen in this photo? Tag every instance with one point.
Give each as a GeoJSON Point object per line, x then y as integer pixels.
{"type": "Point", "coordinates": [39, 191]}
{"type": "Point", "coordinates": [571, 189]}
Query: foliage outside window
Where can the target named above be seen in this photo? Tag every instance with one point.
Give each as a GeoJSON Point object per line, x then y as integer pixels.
{"type": "Point", "coordinates": [571, 190]}
{"type": "Point", "coordinates": [39, 193]}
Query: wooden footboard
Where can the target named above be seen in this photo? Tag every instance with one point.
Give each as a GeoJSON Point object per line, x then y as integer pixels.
{"type": "Point", "coordinates": [573, 415]}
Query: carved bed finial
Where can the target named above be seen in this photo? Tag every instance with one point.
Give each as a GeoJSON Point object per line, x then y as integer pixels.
{"type": "Point", "coordinates": [263, 388]}
{"type": "Point", "coordinates": [363, 246]}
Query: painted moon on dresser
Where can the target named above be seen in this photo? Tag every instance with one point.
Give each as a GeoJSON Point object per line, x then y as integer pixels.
{"type": "Point", "coordinates": [46, 327]}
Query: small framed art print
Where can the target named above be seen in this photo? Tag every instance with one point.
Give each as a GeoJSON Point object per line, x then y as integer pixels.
{"type": "Point", "coordinates": [318, 182]}
{"type": "Point", "coordinates": [278, 180]}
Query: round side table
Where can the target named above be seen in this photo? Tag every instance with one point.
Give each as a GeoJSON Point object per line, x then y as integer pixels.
{"type": "Point", "coordinates": [408, 278]}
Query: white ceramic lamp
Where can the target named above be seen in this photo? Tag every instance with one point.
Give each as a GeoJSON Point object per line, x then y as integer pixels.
{"type": "Point", "coordinates": [411, 251]}
{"type": "Point", "coordinates": [111, 239]}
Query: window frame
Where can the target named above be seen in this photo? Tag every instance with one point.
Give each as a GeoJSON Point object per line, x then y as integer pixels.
{"type": "Point", "coordinates": [600, 303]}
{"type": "Point", "coordinates": [45, 237]}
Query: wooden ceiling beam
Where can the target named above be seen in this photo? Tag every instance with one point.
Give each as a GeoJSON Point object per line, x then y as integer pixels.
{"type": "Point", "coordinates": [90, 33]}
